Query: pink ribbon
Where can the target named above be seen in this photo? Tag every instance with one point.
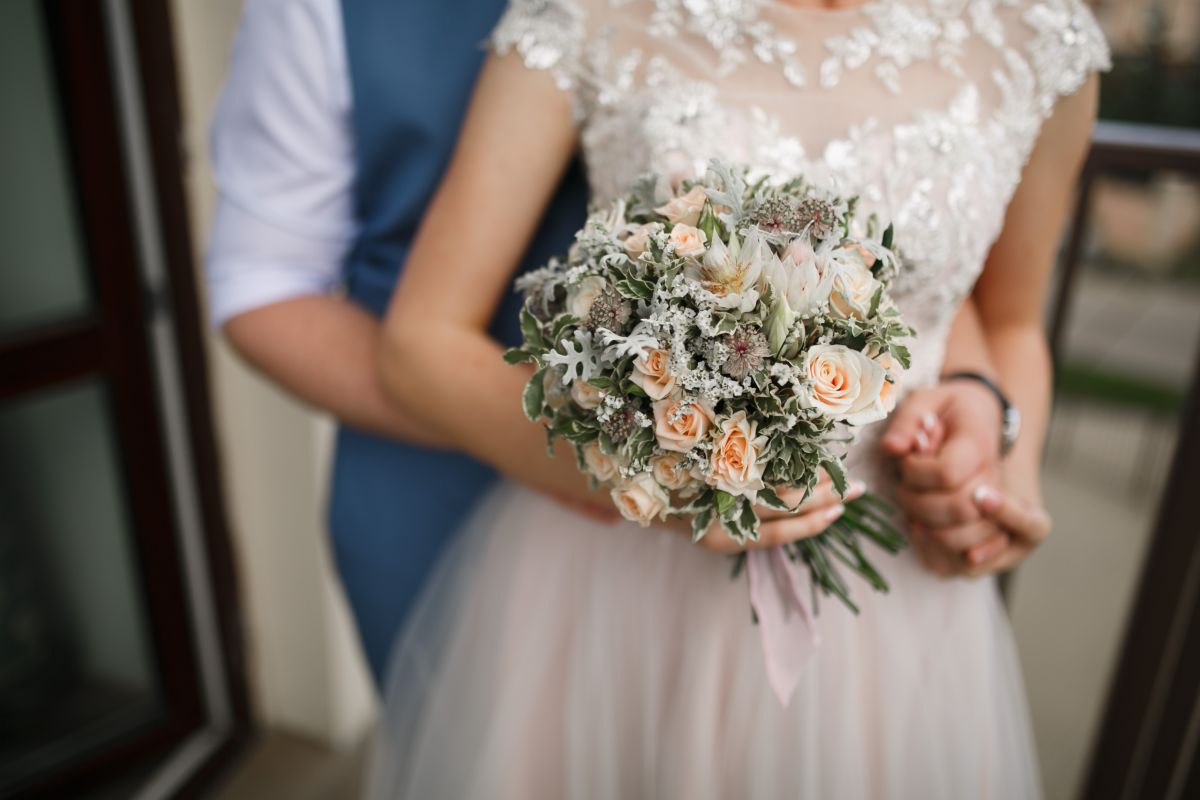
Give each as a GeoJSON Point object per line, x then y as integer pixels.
{"type": "Point", "coordinates": [789, 637]}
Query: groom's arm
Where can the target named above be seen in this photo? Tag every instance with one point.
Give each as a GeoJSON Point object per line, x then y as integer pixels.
{"type": "Point", "coordinates": [325, 350]}
{"type": "Point", "coordinates": [283, 158]}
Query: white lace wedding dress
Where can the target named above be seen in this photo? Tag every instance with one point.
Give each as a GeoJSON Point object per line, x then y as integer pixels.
{"type": "Point", "coordinates": [557, 658]}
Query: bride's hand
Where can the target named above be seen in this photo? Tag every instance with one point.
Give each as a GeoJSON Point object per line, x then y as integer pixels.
{"type": "Point", "coordinates": [816, 513]}
{"type": "Point", "coordinates": [1017, 527]}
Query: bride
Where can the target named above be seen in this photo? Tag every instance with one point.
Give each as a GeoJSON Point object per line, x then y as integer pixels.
{"type": "Point", "coordinates": [555, 656]}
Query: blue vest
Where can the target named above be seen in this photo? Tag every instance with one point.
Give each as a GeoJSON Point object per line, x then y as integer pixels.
{"type": "Point", "coordinates": [393, 506]}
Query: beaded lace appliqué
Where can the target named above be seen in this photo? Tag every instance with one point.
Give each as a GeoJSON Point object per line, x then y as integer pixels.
{"type": "Point", "coordinates": [943, 173]}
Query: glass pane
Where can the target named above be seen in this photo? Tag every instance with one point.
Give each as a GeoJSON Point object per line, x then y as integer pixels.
{"type": "Point", "coordinates": [76, 665]}
{"type": "Point", "coordinates": [1133, 325]}
{"type": "Point", "coordinates": [42, 275]}
{"type": "Point", "coordinates": [1156, 61]}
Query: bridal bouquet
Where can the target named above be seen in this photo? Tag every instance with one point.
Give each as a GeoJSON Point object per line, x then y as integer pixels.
{"type": "Point", "coordinates": [703, 346]}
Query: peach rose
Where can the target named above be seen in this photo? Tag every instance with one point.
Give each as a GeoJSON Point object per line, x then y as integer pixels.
{"type": "Point", "coordinates": [640, 499]}
{"type": "Point", "coordinates": [735, 464]}
{"type": "Point", "coordinates": [672, 471]}
{"type": "Point", "coordinates": [587, 396]}
{"type": "Point", "coordinates": [844, 384]}
{"type": "Point", "coordinates": [637, 242]}
{"type": "Point", "coordinates": [679, 425]}
{"type": "Point", "coordinates": [685, 210]}
{"type": "Point", "coordinates": [600, 463]}
{"type": "Point", "coordinates": [651, 372]}
{"type": "Point", "coordinates": [688, 241]}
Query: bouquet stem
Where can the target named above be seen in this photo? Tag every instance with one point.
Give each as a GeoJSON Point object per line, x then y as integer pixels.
{"type": "Point", "coordinates": [867, 518]}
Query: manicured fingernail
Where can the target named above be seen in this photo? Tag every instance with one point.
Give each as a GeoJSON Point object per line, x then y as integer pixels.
{"type": "Point", "coordinates": [855, 489]}
{"type": "Point", "coordinates": [922, 441]}
{"type": "Point", "coordinates": [929, 420]}
{"type": "Point", "coordinates": [985, 495]}
{"type": "Point", "coordinates": [834, 512]}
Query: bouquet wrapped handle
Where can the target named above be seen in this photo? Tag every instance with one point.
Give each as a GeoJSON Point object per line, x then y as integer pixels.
{"type": "Point", "coordinates": [789, 635]}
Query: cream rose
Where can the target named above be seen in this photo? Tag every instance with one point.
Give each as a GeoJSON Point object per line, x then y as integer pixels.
{"type": "Point", "coordinates": [600, 463]}
{"type": "Point", "coordinates": [637, 242]}
{"type": "Point", "coordinates": [685, 210]}
{"type": "Point", "coordinates": [688, 241]}
{"type": "Point", "coordinates": [868, 258]}
{"type": "Point", "coordinates": [651, 371]}
{"type": "Point", "coordinates": [735, 465]}
{"type": "Point", "coordinates": [672, 472]}
{"type": "Point", "coordinates": [853, 287]}
{"type": "Point", "coordinates": [581, 296]}
{"type": "Point", "coordinates": [679, 425]}
{"type": "Point", "coordinates": [640, 499]}
{"type": "Point", "coordinates": [844, 384]}
{"type": "Point", "coordinates": [587, 396]}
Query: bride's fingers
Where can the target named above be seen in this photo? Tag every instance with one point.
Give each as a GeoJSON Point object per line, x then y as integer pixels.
{"type": "Point", "coordinates": [1030, 524]}
{"type": "Point", "coordinates": [822, 496]}
{"type": "Point", "coordinates": [800, 526]}
{"type": "Point", "coordinates": [984, 557]}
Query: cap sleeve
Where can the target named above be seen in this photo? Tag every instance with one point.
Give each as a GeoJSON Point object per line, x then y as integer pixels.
{"type": "Point", "coordinates": [1063, 44]}
{"type": "Point", "coordinates": [547, 35]}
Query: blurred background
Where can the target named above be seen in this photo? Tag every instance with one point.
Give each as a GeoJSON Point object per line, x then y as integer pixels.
{"type": "Point", "coordinates": [169, 621]}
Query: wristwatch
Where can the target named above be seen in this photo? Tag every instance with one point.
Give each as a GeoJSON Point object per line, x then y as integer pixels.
{"type": "Point", "coordinates": [1010, 415]}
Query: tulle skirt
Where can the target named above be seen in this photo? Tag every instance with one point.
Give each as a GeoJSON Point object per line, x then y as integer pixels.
{"type": "Point", "coordinates": [554, 657]}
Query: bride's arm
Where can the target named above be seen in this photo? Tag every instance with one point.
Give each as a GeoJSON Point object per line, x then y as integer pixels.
{"type": "Point", "coordinates": [438, 360]}
{"type": "Point", "coordinates": [1010, 298]}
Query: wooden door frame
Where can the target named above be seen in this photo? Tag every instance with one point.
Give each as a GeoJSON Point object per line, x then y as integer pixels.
{"type": "Point", "coordinates": [110, 343]}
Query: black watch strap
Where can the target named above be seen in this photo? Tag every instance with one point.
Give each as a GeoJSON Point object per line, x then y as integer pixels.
{"type": "Point", "coordinates": [1010, 415]}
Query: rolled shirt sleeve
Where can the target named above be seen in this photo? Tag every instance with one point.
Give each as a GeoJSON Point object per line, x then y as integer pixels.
{"type": "Point", "coordinates": [283, 158]}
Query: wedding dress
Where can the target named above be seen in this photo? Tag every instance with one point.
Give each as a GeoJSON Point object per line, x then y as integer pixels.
{"type": "Point", "coordinates": [553, 657]}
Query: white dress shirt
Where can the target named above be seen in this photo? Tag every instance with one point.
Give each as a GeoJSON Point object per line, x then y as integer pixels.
{"type": "Point", "coordinates": [283, 156]}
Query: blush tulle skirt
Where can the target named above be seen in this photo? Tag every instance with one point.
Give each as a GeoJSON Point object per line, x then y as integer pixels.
{"type": "Point", "coordinates": [554, 657]}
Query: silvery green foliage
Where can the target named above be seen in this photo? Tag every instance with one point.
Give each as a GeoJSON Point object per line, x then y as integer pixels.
{"type": "Point", "coordinates": [694, 306]}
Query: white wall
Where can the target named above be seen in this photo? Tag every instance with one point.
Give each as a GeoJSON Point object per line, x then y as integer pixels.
{"type": "Point", "coordinates": [307, 672]}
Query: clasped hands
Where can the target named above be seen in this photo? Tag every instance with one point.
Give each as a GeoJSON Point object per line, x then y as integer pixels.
{"type": "Point", "coordinates": [964, 517]}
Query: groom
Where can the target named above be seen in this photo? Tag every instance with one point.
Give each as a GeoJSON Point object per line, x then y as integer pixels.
{"type": "Point", "coordinates": [332, 132]}
{"type": "Point", "coordinates": [335, 124]}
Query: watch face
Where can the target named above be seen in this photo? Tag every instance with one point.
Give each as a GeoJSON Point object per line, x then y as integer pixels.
{"type": "Point", "coordinates": [1011, 426]}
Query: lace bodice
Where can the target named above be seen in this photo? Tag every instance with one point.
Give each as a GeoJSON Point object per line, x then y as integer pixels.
{"type": "Point", "coordinates": [925, 109]}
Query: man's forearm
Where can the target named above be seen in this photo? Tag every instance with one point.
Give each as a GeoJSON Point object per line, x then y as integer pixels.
{"type": "Point", "coordinates": [325, 350]}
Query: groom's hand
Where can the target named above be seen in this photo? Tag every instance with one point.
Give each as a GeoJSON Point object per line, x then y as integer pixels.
{"type": "Point", "coordinates": [946, 439]}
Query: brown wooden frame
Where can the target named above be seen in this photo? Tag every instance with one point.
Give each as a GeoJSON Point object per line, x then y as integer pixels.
{"type": "Point", "coordinates": [110, 344]}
